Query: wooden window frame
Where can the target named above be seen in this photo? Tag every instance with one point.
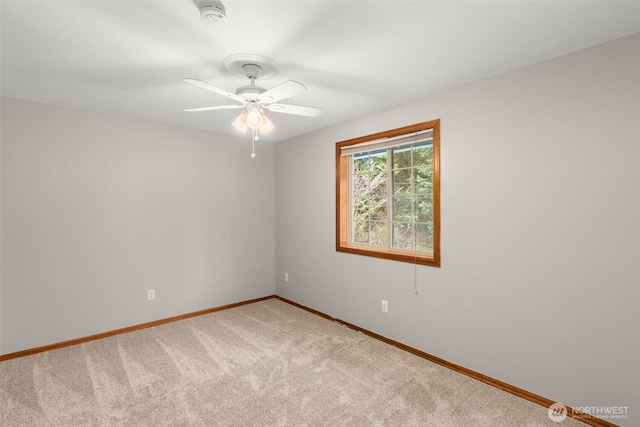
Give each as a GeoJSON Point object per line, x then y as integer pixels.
{"type": "Point", "coordinates": [342, 198]}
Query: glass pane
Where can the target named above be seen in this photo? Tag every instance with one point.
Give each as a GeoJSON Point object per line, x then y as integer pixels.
{"type": "Point", "coordinates": [361, 208]}
{"type": "Point", "coordinates": [401, 156]}
{"type": "Point", "coordinates": [378, 208]}
{"type": "Point", "coordinates": [402, 208]}
{"type": "Point", "coordinates": [402, 236]}
{"type": "Point", "coordinates": [424, 209]}
{"type": "Point", "coordinates": [402, 181]}
{"type": "Point", "coordinates": [402, 189]}
{"type": "Point", "coordinates": [423, 154]}
{"type": "Point", "coordinates": [360, 185]}
{"type": "Point", "coordinates": [360, 231]}
{"type": "Point", "coordinates": [378, 184]}
{"type": "Point", "coordinates": [378, 161]}
{"type": "Point", "coordinates": [360, 164]}
{"type": "Point", "coordinates": [378, 234]}
{"type": "Point", "coordinates": [424, 179]}
{"type": "Point", "coordinates": [424, 238]}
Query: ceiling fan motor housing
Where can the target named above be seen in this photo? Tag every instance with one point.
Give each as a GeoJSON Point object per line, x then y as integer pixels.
{"type": "Point", "coordinates": [251, 93]}
{"type": "Point", "coordinates": [212, 10]}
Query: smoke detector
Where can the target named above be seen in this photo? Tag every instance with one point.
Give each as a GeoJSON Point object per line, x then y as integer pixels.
{"type": "Point", "coordinates": [212, 10]}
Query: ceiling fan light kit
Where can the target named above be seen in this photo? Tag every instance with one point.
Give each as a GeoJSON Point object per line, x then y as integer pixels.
{"type": "Point", "coordinates": [254, 99]}
{"type": "Point", "coordinates": [253, 118]}
{"type": "Point", "coordinates": [240, 122]}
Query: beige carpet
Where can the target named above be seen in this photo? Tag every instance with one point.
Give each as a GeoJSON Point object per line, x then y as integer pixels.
{"type": "Point", "coordinates": [262, 364]}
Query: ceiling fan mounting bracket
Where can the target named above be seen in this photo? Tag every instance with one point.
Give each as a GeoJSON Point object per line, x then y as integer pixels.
{"type": "Point", "coordinates": [252, 66]}
{"type": "Point", "coordinates": [253, 71]}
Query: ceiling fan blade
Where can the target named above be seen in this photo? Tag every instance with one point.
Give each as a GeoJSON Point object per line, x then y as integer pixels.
{"type": "Point", "coordinates": [215, 89]}
{"type": "Point", "coordinates": [299, 110]}
{"type": "Point", "coordinates": [282, 91]}
{"type": "Point", "coordinates": [217, 107]}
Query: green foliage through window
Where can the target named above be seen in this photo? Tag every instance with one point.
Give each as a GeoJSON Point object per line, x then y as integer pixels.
{"type": "Point", "coordinates": [392, 197]}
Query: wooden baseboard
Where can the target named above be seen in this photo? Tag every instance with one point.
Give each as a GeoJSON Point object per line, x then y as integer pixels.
{"type": "Point", "coordinates": [125, 330]}
{"type": "Point", "coordinates": [527, 395]}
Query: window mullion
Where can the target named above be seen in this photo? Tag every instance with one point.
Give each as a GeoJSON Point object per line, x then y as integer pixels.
{"type": "Point", "coordinates": [389, 198]}
{"type": "Point", "coordinates": [414, 215]}
{"type": "Point", "coordinates": [350, 228]}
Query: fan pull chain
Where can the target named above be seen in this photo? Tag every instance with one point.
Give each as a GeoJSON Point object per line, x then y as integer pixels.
{"type": "Point", "coordinates": [254, 138]}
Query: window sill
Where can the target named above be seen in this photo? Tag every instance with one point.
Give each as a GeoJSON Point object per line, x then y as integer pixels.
{"type": "Point", "coordinates": [429, 260]}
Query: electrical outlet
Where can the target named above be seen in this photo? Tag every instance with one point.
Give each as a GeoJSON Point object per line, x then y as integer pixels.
{"type": "Point", "coordinates": [151, 294]}
{"type": "Point", "coordinates": [385, 306]}
{"type": "Point", "coordinates": [286, 277]}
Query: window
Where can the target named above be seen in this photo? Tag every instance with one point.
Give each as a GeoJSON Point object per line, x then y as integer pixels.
{"type": "Point", "coordinates": [388, 194]}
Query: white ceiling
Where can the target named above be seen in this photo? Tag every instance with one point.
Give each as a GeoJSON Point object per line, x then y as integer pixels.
{"type": "Point", "coordinates": [355, 57]}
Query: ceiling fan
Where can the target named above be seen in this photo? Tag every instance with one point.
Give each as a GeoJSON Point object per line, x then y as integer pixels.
{"type": "Point", "coordinates": [254, 99]}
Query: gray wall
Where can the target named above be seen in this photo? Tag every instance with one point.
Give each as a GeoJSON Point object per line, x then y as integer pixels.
{"type": "Point", "coordinates": [97, 209]}
{"type": "Point", "coordinates": [539, 285]}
